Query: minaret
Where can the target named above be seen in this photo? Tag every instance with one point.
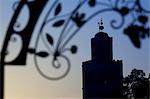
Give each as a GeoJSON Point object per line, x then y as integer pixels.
{"type": "Point", "coordinates": [102, 76]}
{"type": "Point", "coordinates": [101, 46]}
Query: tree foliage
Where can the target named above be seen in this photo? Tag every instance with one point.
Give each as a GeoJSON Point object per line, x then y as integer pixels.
{"type": "Point", "coordinates": [136, 85]}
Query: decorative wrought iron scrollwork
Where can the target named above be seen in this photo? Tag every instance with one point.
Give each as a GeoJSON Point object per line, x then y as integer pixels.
{"type": "Point", "coordinates": [35, 9]}
{"type": "Point", "coordinates": [76, 19]}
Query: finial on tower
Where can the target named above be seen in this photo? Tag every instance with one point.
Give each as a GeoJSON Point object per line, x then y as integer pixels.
{"type": "Point", "coordinates": [101, 27]}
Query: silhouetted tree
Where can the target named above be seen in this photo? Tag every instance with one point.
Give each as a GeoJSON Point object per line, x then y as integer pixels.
{"type": "Point", "coordinates": [136, 85]}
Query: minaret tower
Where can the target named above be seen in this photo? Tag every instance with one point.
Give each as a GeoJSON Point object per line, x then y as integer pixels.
{"type": "Point", "coordinates": [102, 76]}
{"type": "Point", "coordinates": [101, 46]}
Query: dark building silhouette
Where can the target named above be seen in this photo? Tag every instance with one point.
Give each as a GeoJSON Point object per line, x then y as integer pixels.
{"type": "Point", "coordinates": [102, 76]}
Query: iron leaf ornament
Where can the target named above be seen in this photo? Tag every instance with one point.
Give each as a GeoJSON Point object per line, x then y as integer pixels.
{"type": "Point", "coordinates": [58, 9]}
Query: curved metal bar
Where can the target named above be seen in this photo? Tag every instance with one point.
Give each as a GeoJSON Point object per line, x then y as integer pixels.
{"type": "Point", "coordinates": [67, 22]}
{"type": "Point", "coordinates": [49, 77]}
{"type": "Point", "coordinates": [140, 6]}
{"type": "Point", "coordinates": [115, 21]}
{"type": "Point", "coordinates": [104, 4]}
{"type": "Point", "coordinates": [65, 35]}
{"type": "Point", "coordinates": [14, 5]}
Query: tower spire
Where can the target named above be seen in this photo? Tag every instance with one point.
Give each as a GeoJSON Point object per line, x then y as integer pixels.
{"type": "Point", "coordinates": [101, 27]}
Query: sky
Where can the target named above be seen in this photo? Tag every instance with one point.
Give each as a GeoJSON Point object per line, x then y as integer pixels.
{"type": "Point", "coordinates": [24, 82]}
